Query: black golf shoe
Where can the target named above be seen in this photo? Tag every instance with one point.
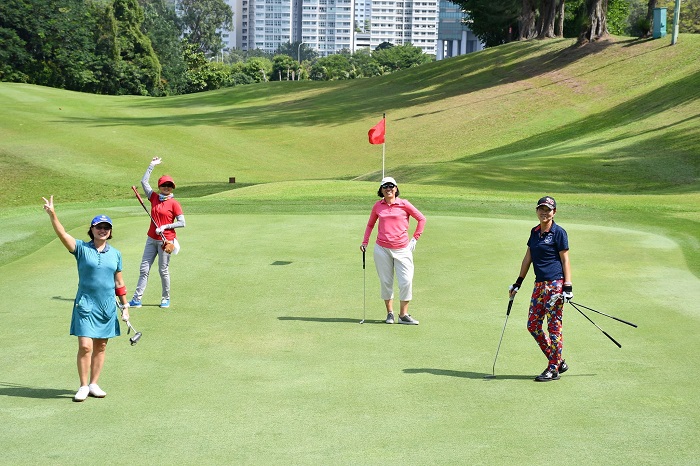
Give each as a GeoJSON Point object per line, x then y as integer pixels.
{"type": "Point", "coordinates": [563, 367]}
{"type": "Point", "coordinates": [547, 375]}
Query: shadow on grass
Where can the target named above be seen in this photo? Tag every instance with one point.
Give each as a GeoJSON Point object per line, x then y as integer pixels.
{"type": "Point", "coordinates": [477, 375]}
{"type": "Point", "coordinates": [462, 374]}
{"type": "Point", "coordinates": [328, 320]}
{"type": "Point", "coordinates": [22, 391]}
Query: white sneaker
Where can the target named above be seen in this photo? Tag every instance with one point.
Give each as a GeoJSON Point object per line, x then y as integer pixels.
{"type": "Point", "coordinates": [96, 391]}
{"type": "Point", "coordinates": [82, 393]}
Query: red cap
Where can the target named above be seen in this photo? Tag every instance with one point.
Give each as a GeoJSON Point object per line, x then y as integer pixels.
{"type": "Point", "coordinates": [166, 179]}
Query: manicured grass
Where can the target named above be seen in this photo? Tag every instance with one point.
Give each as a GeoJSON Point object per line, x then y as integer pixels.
{"type": "Point", "coordinates": [261, 359]}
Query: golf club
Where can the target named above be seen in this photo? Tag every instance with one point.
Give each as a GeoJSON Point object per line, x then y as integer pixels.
{"type": "Point", "coordinates": [589, 319]}
{"type": "Point", "coordinates": [364, 289]}
{"type": "Point", "coordinates": [606, 315]}
{"type": "Point", "coordinates": [493, 369]}
{"type": "Point", "coordinates": [138, 196]}
{"type": "Point", "coordinates": [137, 335]}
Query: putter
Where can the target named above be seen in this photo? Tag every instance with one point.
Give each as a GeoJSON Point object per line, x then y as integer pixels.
{"type": "Point", "coordinates": [364, 289]}
{"type": "Point", "coordinates": [589, 319]}
{"type": "Point", "coordinates": [137, 335]}
{"type": "Point", "coordinates": [602, 313]}
{"type": "Point", "coordinates": [493, 369]}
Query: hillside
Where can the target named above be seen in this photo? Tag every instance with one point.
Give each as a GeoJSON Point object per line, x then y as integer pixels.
{"type": "Point", "coordinates": [489, 120]}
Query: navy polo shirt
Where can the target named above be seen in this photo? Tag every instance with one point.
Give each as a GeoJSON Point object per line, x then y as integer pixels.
{"type": "Point", "coordinates": [544, 250]}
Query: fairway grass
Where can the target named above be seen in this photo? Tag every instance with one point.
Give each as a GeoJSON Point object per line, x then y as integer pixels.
{"type": "Point", "coordinates": [261, 358]}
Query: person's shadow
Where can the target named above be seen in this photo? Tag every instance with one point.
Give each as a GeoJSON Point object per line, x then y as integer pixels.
{"type": "Point", "coordinates": [22, 391]}
{"type": "Point", "coordinates": [464, 374]}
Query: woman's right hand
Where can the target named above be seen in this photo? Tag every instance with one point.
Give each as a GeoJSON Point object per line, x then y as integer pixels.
{"type": "Point", "coordinates": [363, 247]}
{"type": "Point", "coordinates": [48, 205]}
{"type": "Point", "coordinates": [156, 160]}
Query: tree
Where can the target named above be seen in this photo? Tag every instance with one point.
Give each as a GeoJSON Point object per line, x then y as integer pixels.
{"type": "Point", "coordinates": [284, 68]}
{"type": "Point", "coordinates": [597, 21]}
{"type": "Point", "coordinates": [331, 68]}
{"type": "Point", "coordinates": [139, 67]}
{"type": "Point", "coordinates": [494, 22]}
{"type": "Point", "coordinates": [400, 57]}
{"type": "Point", "coordinates": [162, 26]}
{"type": "Point", "coordinates": [201, 19]}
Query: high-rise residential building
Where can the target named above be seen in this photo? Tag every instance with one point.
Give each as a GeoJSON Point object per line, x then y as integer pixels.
{"type": "Point", "coordinates": [454, 36]}
{"type": "Point", "coordinates": [323, 25]}
{"type": "Point", "coordinates": [363, 15]}
{"type": "Point", "coordinates": [402, 22]}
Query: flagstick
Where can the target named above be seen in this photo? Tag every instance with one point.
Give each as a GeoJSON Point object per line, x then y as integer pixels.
{"type": "Point", "coordinates": [383, 147]}
{"type": "Point", "coordinates": [384, 143]}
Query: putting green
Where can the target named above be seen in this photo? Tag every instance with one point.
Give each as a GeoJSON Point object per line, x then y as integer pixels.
{"type": "Point", "coordinates": [261, 360]}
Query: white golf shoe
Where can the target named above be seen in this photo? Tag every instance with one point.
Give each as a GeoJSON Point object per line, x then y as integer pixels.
{"type": "Point", "coordinates": [96, 391]}
{"type": "Point", "coordinates": [82, 393]}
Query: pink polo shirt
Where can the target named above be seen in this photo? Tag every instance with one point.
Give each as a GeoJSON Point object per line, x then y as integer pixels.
{"type": "Point", "coordinates": [393, 223]}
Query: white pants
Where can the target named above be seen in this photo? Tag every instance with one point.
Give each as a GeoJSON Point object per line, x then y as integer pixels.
{"type": "Point", "coordinates": [387, 261]}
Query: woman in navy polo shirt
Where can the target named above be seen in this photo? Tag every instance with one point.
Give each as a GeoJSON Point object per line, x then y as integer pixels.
{"type": "Point", "coordinates": [548, 252]}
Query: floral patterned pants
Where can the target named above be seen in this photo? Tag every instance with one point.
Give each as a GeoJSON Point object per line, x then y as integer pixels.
{"type": "Point", "coordinates": [547, 302]}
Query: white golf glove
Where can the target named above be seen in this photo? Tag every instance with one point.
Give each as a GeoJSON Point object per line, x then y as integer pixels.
{"type": "Point", "coordinates": [156, 160]}
{"type": "Point", "coordinates": [412, 244]}
{"type": "Point", "coordinates": [125, 312]}
{"type": "Point", "coordinates": [567, 293]}
{"type": "Point", "coordinates": [159, 231]}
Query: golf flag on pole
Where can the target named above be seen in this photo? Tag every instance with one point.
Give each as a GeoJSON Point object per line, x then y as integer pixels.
{"type": "Point", "coordinates": [377, 132]}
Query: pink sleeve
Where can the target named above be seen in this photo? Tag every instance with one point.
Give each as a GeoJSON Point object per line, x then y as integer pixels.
{"type": "Point", "coordinates": [415, 213]}
{"type": "Point", "coordinates": [370, 225]}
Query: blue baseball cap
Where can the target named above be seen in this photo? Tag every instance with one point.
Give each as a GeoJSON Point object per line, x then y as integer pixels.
{"type": "Point", "coordinates": [101, 219]}
{"type": "Point", "coordinates": [548, 201]}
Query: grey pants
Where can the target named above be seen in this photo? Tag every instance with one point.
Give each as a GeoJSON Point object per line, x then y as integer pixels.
{"type": "Point", "coordinates": [153, 248]}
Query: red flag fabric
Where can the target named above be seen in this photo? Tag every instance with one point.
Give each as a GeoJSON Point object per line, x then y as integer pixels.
{"type": "Point", "coordinates": [376, 134]}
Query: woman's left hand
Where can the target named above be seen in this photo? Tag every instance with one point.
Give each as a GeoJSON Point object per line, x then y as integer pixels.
{"type": "Point", "coordinates": [412, 244]}
{"type": "Point", "coordinates": [125, 312]}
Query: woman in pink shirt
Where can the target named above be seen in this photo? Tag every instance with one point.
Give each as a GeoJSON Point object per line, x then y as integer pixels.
{"type": "Point", "coordinates": [393, 251]}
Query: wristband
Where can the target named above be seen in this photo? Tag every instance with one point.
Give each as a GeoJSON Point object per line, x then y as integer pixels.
{"type": "Point", "coordinates": [120, 291]}
{"type": "Point", "coordinates": [519, 281]}
{"type": "Point", "coordinates": [567, 288]}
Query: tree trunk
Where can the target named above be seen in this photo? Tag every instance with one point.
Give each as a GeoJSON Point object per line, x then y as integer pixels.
{"type": "Point", "coordinates": [559, 27]}
{"type": "Point", "coordinates": [597, 17]}
{"type": "Point", "coordinates": [548, 14]}
{"type": "Point", "coordinates": [527, 20]}
{"type": "Point", "coordinates": [650, 15]}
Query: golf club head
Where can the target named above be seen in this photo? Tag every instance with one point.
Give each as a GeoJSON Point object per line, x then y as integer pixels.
{"type": "Point", "coordinates": [362, 321]}
{"type": "Point", "coordinates": [135, 339]}
{"type": "Point", "coordinates": [490, 376]}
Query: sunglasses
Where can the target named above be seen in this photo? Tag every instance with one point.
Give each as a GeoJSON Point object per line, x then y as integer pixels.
{"type": "Point", "coordinates": [103, 226]}
{"type": "Point", "coordinates": [388, 186]}
{"type": "Point", "coordinates": [167, 185]}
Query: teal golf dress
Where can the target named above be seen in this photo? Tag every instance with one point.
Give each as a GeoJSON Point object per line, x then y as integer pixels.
{"type": "Point", "coordinates": [95, 309]}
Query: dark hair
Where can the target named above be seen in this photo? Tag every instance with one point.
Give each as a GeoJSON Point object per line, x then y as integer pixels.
{"type": "Point", "coordinates": [379, 193]}
{"type": "Point", "coordinates": [93, 236]}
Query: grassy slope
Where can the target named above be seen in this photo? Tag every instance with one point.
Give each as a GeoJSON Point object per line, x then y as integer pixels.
{"type": "Point", "coordinates": [617, 117]}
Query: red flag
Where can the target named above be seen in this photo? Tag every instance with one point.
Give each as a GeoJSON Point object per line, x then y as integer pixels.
{"type": "Point", "coordinates": [376, 134]}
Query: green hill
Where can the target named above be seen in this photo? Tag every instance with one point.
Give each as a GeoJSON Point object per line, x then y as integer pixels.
{"type": "Point", "coordinates": [615, 117]}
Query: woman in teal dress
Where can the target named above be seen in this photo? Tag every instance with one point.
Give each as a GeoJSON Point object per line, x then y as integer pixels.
{"type": "Point", "coordinates": [94, 319]}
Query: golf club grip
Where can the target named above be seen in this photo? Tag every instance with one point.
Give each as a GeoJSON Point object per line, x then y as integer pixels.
{"type": "Point", "coordinates": [606, 315]}
{"type": "Point", "coordinates": [138, 196]}
{"type": "Point", "coordinates": [510, 305]}
{"type": "Point", "coordinates": [611, 338]}
{"type": "Point", "coordinates": [596, 325]}
{"type": "Point", "coordinates": [363, 259]}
